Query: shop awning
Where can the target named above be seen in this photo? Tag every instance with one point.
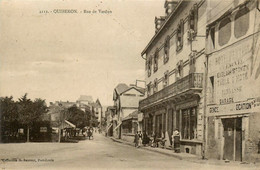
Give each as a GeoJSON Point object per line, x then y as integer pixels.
{"type": "Point", "coordinates": [118, 126]}
{"type": "Point", "coordinates": [70, 124]}
{"type": "Point", "coordinates": [109, 126]}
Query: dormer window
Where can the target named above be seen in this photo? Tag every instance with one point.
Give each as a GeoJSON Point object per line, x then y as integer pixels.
{"type": "Point", "coordinates": [156, 55]}
{"type": "Point", "coordinates": [179, 36]}
{"type": "Point", "coordinates": [193, 22]}
{"type": "Point", "coordinates": [166, 49]}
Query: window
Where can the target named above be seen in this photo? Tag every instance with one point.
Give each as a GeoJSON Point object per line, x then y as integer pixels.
{"type": "Point", "coordinates": [192, 62]}
{"type": "Point", "coordinates": [189, 123]}
{"type": "Point", "coordinates": [212, 99]}
{"type": "Point", "coordinates": [212, 36]}
{"type": "Point", "coordinates": [166, 49]}
{"type": "Point", "coordinates": [156, 54]}
{"type": "Point", "coordinates": [241, 22]}
{"type": "Point", "coordinates": [149, 65]}
{"type": "Point", "coordinates": [155, 87]}
{"type": "Point", "coordinates": [193, 22]}
{"type": "Point", "coordinates": [179, 36]}
{"type": "Point", "coordinates": [149, 89]}
{"type": "Point", "coordinates": [166, 79]}
{"type": "Point", "coordinates": [179, 70]}
{"type": "Point", "coordinates": [224, 31]}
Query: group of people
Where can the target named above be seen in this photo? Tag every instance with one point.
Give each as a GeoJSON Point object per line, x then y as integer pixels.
{"type": "Point", "coordinates": [141, 138]}
{"type": "Point", "coordinates": [89, 132]}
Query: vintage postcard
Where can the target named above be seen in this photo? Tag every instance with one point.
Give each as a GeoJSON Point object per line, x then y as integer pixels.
{"type": "Point", "coordinates": [129, 84]}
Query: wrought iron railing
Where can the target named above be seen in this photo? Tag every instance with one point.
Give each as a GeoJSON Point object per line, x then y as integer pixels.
{"type": "Point", "coordinates": [193, 80]}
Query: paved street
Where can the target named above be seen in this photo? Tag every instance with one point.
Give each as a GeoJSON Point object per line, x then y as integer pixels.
{"type": "Point", "coordinates": [100, 153]}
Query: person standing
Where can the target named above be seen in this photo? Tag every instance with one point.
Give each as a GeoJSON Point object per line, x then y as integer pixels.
{"type": "Point", "coordinates": [176, 141]}
{"type": "Point", "coordinates": [136, 139]}
{"type": "Point", "coordinates": [140, 136]}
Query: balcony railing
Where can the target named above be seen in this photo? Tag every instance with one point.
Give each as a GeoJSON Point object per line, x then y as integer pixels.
{"type": "Point", "coordinates": [193, 80]}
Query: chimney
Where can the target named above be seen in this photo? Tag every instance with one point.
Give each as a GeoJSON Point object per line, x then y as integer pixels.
{"type": "Point", "coordinates": [159, 22]}
{"type": "Point", "coordinates": [169, 6]}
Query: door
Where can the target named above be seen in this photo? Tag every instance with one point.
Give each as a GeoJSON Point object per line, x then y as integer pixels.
{"type": "Point", "coordinates": [158, 129]}
{"type": "Point", "coordinates": [232, 139]}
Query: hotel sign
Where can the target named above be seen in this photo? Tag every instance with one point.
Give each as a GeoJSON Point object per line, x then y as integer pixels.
{"type": "Point", "coordinates": [230, 71]}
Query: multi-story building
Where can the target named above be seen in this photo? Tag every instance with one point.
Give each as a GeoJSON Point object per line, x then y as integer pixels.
{"type": "Point", "coordinates": [126, 99]}
{"type": "Point", "coordinates": [174, 75]}
{"type": "Point", "coordinates": [233, 98]}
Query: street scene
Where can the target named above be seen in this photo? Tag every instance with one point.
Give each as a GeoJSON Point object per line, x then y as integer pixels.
{"type": "Point", "coordinates": [100, 153]}
{"type": "Point", "coordinates": [123, 84]}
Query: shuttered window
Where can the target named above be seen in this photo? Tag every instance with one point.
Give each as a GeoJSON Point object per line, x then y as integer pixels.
{"type": "Point", "coordinates": [179, 36]}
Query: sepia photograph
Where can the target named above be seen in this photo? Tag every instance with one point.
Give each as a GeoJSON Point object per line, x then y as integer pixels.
{"type": "Point", "coordinates": [130, 84]}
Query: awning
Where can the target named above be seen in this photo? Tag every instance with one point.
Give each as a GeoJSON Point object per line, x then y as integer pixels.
{"type": "Point", "coordinates": [109, 126]}
{"type": "Point", "coordinates": [118, 126]}
{"type": "Point", "coordinates": [70, 124]}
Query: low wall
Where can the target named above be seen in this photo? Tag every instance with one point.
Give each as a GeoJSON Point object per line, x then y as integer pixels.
{"type": "Point", "coordinates": [128, 137]}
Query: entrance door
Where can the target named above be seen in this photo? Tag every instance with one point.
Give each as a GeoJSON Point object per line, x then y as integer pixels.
{"type": "Point", "coordinates": [232, 139]}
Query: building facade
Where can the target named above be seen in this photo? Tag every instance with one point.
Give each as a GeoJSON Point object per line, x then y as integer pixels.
{"type": "Point", "coordinates": [175, 66]}
{"type": "Point", "coordinates": [126, 99]}
{"type": "Point", "coordinates": [233, 95]}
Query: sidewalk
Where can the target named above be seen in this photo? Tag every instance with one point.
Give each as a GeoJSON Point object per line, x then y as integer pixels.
{"type": "Point", "coordinates": [186, 156]}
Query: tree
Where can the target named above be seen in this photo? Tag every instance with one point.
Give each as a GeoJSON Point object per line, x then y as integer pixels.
{"type": "Point", "coordinates": [9, 113]}
{"type": "Point", "coordinates": [30, 111]}
{"type": "Point", "coordinates": [77, 117]}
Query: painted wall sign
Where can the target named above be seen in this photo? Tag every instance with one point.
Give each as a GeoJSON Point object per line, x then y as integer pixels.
{"type": "Point", "coordinates": [230, 68]}
{"type": "Point", "coordinates": [234, 108]}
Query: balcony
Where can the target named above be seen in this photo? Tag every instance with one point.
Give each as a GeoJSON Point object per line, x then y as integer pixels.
{"type": "Point", "coordinates": [189, 82]}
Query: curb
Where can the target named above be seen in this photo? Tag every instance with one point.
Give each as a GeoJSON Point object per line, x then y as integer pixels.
{"type": "Point", "coordinates": [148, 149]}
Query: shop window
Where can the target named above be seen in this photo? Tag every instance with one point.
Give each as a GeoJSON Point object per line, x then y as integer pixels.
{"type": "Point", "coordinates": [224, 31]}
{"type": "Point", "coordinates": [189, 123]}
{"type": "Point", "coordinates": [166, 79]}
{"type": "Point", "coordinates": [241, 22]}
{"type": "Point", "coordinates": [156, 56]}
{"type": "Point", "coordinates": [193, 22]}
{"type": "Point", "coordinates": [166, 49]}
{"type": "Point", "coordinates": [179, 36]}
{"type": "Point", "coordinates": [155, 87]}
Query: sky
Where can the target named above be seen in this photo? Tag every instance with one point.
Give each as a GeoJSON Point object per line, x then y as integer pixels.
{"type": "Point", "coordinates": [60, 56]}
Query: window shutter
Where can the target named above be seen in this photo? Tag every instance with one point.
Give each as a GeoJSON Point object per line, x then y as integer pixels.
{"type": "Point", "coordinates": [195, 18]}
{"type": "Point", "coordinates": [182, 32]}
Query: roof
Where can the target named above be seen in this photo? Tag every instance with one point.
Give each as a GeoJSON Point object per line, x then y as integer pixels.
{"type": "Point", "coordinates": [120, 88]}
{"type": "Point", "coordinates": [160, 30]}
{"type": "Point", "coordinates": [70, 124]}
{"type": "Point", "coordinates": [133, 115]}
{"type": "Point", "coordinates": [85, 98]}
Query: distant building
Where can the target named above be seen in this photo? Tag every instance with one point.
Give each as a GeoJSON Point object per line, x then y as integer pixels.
{"type": "Point", "coordinates": [126, 99]}
{"type": "Point", "coordinates": [84, 101]}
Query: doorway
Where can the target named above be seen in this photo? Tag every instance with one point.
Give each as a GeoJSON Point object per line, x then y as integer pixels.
{"type": "Point", "coordinates": [232, 139]}
{"type": "Point", "coordinates": [158, 129]}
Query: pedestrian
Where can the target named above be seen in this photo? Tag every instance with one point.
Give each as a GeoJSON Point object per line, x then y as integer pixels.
{"type": "Point", "coordinates": [146, 139]}
{"type": "Point", "coordinates": [140, 137]}
{"type": "Point", "coordinates": [154, 141]}
{"type": "Point", "coordinates": [136, 139]}
{"type": "Point", "coordinates": [176, 140]}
